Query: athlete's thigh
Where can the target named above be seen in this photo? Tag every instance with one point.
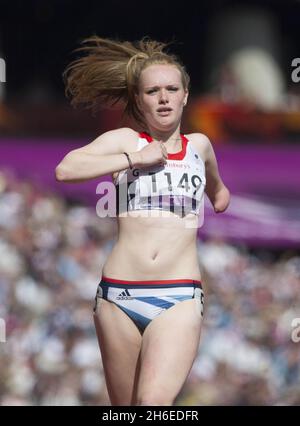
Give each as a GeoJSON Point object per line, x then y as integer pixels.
{"type": "Point", "coordinates": [120, 342]}
{"type": "Point", "coordinates": [170, 345]}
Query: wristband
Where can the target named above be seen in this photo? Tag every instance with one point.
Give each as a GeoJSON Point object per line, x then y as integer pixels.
{"type": "Point", "coordinates": [129, 161]}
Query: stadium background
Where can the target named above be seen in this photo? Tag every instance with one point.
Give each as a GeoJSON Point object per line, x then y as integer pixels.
{"type": "Point", "coordinates": [245, 97]}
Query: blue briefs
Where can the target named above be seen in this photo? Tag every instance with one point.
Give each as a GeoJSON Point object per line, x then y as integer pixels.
{"type": "Point", "coordinates": [142, 301]}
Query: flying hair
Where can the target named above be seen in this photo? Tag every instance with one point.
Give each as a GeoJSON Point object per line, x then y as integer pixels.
{"type": "Point", "coordinates": [109, 72]}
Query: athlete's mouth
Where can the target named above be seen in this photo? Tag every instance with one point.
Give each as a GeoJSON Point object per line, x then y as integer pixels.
{"type": "Point", "coordinates": [164, 109]}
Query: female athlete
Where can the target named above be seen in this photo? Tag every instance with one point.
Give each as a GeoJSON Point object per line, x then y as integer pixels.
{"type": "Point", "coordinates": [149, 302]}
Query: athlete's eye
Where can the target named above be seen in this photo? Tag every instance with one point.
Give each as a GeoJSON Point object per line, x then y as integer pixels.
{"type": "Point", "coordinates": [173, 89]}
{"type": "Point", "coordinates": [149, 92]}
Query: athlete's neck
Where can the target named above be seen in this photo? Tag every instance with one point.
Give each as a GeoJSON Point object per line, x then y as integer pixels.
{"type": "Point", "coordinates": [172, 140]}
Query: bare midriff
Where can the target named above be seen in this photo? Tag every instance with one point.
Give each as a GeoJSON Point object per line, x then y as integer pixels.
{"type": "Point", "coordinates": [154, 245]}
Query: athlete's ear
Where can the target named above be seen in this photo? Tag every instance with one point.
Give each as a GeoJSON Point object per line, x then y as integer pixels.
{"type": "Point", "coordinates": [185, 98]}
{"type": "Point", "coordinates": [137, 100]}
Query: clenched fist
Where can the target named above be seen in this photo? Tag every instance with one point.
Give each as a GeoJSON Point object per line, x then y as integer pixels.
{"type": "Point", "coordinates": [152, 154]}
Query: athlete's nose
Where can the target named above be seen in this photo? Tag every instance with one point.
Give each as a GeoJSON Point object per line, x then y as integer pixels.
{"type": "Point", "coordinates": [163, 97]}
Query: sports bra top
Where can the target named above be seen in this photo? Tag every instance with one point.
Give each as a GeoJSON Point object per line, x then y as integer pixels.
{"type": "Point", "coordinates": [178, 186]}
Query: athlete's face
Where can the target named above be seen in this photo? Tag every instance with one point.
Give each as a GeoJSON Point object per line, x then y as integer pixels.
{"type": "Point", "coordinates": [161, 96]}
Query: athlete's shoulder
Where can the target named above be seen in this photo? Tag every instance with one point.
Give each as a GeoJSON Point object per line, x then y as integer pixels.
{"type": "Point", "coordinates": [199, 138]}
{"type": "Point", "coordinates": [123, 138]}
{"type": "Point", "coordinates": [112, 142]}
{"type": "Point", "coordinates": [200, 142]}
{"type": "Point", "coordinates": [126, 132]}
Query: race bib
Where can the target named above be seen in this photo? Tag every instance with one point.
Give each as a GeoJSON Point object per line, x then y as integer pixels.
{"type": "Point", "coordinates": [168, 183]}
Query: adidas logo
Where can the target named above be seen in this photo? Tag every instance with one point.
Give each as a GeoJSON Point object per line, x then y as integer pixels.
{"type": "Point", "coordinates": [125, 295]}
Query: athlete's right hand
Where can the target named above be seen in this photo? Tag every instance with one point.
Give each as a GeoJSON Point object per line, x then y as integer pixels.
{"type": "Point", "coordinates": [154, 153]}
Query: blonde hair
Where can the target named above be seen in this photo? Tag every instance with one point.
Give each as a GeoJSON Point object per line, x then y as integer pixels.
{"type": "Point", "coordinates": [110, 71]}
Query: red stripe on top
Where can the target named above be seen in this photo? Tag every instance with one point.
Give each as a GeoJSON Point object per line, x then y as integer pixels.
{"type": "Point", "coordinates": [116, 281]}
{"type": "Point", "coordinates": [145, 135]}
{"type": "Point", "coordinates": [175, 156]}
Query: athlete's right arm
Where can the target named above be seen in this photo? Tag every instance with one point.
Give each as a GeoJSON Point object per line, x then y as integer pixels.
{"type": "Point", "coordinates": [101, 157]}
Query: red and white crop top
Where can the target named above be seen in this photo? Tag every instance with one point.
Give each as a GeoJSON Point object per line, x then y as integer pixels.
{"type": "Point", "coordinates": [178, 186]}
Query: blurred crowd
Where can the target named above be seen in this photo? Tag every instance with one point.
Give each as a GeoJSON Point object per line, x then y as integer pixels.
{"type": "Point", "coordinates": [247, 355]}
{"type": "Point", "coordinates": [51, 257]}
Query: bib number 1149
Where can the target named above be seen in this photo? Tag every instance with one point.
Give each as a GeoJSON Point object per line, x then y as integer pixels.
{"type": "Point", "coordinates": [162, 184]}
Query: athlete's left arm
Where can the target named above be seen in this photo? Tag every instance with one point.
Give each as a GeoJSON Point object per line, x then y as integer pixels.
{"type": "Point", "coordinates": [216, 191]}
